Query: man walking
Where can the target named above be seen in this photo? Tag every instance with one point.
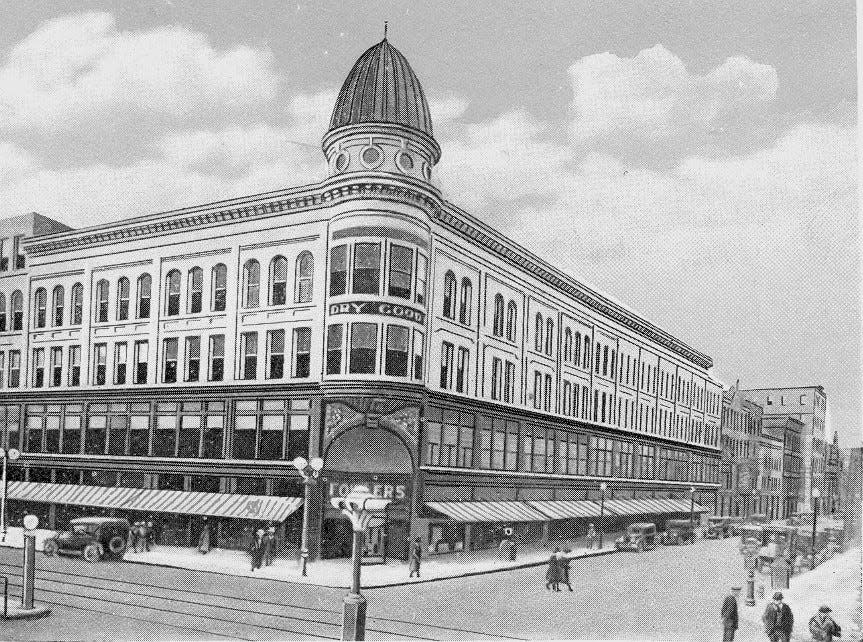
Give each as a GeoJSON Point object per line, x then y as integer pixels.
{"type": "Point", "coordinates": [729, 615]}
{"type": "Point", "coordinates": [823, 627]}
{"type": "Point", "coordinates": [778, 620]}
{"type": "Point", "coordinates": [415, 559]}
{"type": "Point", "coordinates": [256, 549]}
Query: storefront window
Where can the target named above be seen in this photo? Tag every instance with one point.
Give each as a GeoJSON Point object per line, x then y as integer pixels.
{"type": "Point", "coordinates": [33, 439]}
{"type": "Point", "coordinates": [94, 443]}
{"type": "Point", "coordinates": [190, 436]}
{"type": "Point", "coordinates": [52, 433]}
{"type": "Point", "coordinates": [204, 483]}
{"type": "Point", "coordinates": [213, 436]}
{"type": "Point", "coordinates": [251, 486]}
{"type": "Point", "coordinates": [526, 450]}
{"type": "Point", "coordinates": [498, 443]}
{"type": "Point", "coordinates": [465, 449]}
{"type": "Point", "coordinates": [119, 429]}
{"type": "Point", "coordinates": [71, 433]}
{"type": "Point", "coordinates": [432, 436]}
{"type": "Point", "coordinates": [298, 437]}
{"type": "Point", "coordinates": [170, 482]}
{"type": "Point", "coordinates": [139, 436]}
{"type": "Point", "coordinates": [165, 436]}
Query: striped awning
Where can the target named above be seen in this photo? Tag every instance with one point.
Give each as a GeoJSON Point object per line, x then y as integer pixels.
{"type": "Point", "coordinates": [488, 511]}
{"type": "Point", "coordinates": [650, 506]}
{"type": "Point", "coordinates": [260, 507]}
{"type": "Point", "coordinates": [566, 509]}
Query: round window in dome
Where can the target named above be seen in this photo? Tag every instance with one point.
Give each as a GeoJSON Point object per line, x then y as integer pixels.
{"type": "Point", "coordinates": [341, 161]}
{"type": "Point", "coordinates": [426, 171]}
{"type": "Point", "coordinates": [372, 156]}
{"type": "Point", "coordinates": [404, 162]}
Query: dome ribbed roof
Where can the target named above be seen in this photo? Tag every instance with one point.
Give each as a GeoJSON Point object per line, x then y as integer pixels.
{"type": "Point", "coordinates": [382, 88]}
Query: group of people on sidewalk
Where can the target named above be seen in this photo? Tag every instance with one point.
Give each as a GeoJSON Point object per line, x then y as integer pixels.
{"type": "Point", "coordinates": [141, 537]}
{"type": "Point", "coordinates": [779, 620]}
{"type": "Point", "coordinates": [558, 570]}
{"type": "Point", "coordinates": [262, 547]}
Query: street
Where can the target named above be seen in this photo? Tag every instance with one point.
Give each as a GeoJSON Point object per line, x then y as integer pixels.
{"type": "Point", "coordinates": [671, 593]}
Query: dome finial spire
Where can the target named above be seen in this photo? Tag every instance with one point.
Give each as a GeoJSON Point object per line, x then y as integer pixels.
{"type": "Point", "coordinates": [385, 29]}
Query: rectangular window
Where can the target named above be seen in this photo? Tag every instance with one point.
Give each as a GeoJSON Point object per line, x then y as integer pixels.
{"type": "Point", "coordinates": [302, 352]}
{"type": "Point", "coordinates": [498, 445]}
{"type": "Point", "coordinates": [189, 436]}
{"type": "Point", "coordinates": [465, 447]}
{"type": "Point", "coordinates": [401, 264]}
{"type": "Point", "coordinates": [338, 270]}
{"type": "Point", "coordinates": [367, 268]}
{"type": "Point", "coordinates": [276, 352]}
{"type": "Point", "coordinates": [245, 431]}
{"type": "Point", "coordinates": [142, 355]}
{"type": "Point", "coordinates": [422, 277]}
{"type": "Point", "coordinates": [419, 347]}
{"type": "Point", "coordinates": [509, 382]}
{"type": "Point", "coordinates": [272, 437]}
{"type": "Point", "coordinates": [74, 365]}
{"type": "Point", "coordinates": [249, 356]}
{"type": "Point", "coordinates": [432, 443]}
{"type": "Point", "coordinates": [335, 341]}
{"type": "Point", "coordinates": [100, 366]}
{"type": "Point", "coordinates": [496, 378]}
{"type": "Point", "coordinates": [120, 359]}
{"type": "Point", "coordinates": [446, 363]}
{"type": "Point", "coordinates": [2, 370]}
{"type": "Point", "coordinates": [17, 252]}
{"type": "Point", "coordinates": [139, 435]}
{"type": "Point", "coordinates": [4, 259]}
{"type": "Point", "coordinates": [171, 350]}
{"type": "Point", "coordinates": [96, 434]}
{"type": "Point", "coordinates": [165, 436]}
{"type": "Point", "coordinates": [38, 367]}
{"type": "Point", "coordinates": [461, 370]}
{"type": "Point", "coordinates": [396, 358]}
{"type": "Point", "coordinates": [217, 357]}
{"type": "Point", "coordinates": [193, 358]}
{"type": "Point", "coordinates": [220, 288]}
{"type": "Point", "coordinates": [537, 390]}
{"type": "Point", "coordinates": [364, 344]}
{"type": "Point", "coordinates": [56, 367]}
{"type": "Point", "coordinates": [548, 396]}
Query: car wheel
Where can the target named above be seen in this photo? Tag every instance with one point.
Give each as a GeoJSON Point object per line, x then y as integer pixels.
{"type": "Point", "coordinates": [50, 548]}
{"type": "Point", "coordinates": [92, 553]}
{"type": "Point", "coordinates": [640, 547]}
{"type": "Point", "coordinates": [117, 545]}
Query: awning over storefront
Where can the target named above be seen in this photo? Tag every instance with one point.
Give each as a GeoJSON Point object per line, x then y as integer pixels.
{"type": "Point", "coordinates": [566, 509]}
{"type": "Point", "coordinates": [488, 511]}
{"type": "Point", "coordinates": [650, 506]}
{"type": "Point", "coordinates": [260, 507]}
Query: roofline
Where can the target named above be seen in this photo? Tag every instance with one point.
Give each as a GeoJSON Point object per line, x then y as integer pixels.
{"type": "Point", "coordinates": [818, 387]}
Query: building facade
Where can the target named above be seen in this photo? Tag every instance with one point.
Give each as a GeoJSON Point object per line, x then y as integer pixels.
{"type": "Point", "coordinates": [851, 493]}
{"type": "Point", "coordinates": [790, 430]}
{"type": "Point", "coordinates": [364, 320]}
{"type": "Point", "coordinates": [832, 476]}
{"type": "Point", "coordinates": [770, 472]}
{"type": "Point", "coordinates": [740, 473]}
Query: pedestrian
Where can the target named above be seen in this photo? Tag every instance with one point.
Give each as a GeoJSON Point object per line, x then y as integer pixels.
{"type": "Point", "coordinates": [415, 558]}
{"type": "Point", "coordinates": [778, 620]}
{"type": "Point", "coordinates": [151, 535]}
{"type": "Point", "coordinates": [133, 538]}
{"type": "Point", "coordinates": [552, 575]}
{"type": "Point", "coordinates": [269, 545]}
{"type": "Point", "coordinates": [591, 536]}
{"type": "Point", "coordinates": [729, 614]}
{"type": "Point", "coordinates": [564, 561]}
{"type": "Point", "coordinates": [256, 549]}
{"type": "Point", "coordinates": [204, 538]}
{"type": "Point", "coordinates": [823, 627]}
{"type": "Point", "coordinates": [141, 541]}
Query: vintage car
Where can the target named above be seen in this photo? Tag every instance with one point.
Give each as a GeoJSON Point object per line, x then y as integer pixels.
{"type": "Point", "coordinates": [678, 531]}
{"type": "Point", "coordinates": [781, 541]}
{"type": "Point", "coordinates": [799, 519]}
{"type": "Point", "coordinates": [751, 535]}
{"type": "Point", "coordinates": [639, 537]}
{"type": "Point", "coordinates": [717, 528]}
{"type": "Point", "coordinates": [91, 537]}
{"type": "Point", "coordinates": [757, 518]}
{"type": "Point", "coordinates": [734, 524]}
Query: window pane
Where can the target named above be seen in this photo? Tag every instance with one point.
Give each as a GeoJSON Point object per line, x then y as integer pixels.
{"type": "Point", "coordinates": [364, 337]}
{"type": "Point", "coordinates": [397, 351]}
{"type": "Point", "coordinates": [367, 260]}
{"type": "Point", "coordinates": [338, 270]}
{"type": "Point", "coordinates": [401, 264]}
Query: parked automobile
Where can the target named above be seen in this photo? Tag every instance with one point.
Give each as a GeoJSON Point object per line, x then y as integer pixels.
{"type": "Point", "coordinates": [757, 518]}
{"type": "Point", "coordinates": [91, 537]}
{"type": "Point", "coordinates": [751, 535]}
{"type": "Point", "coordinates": [639, 537]}
{"type": "Point", "coordinates": [798, 519]}
{"type": "Point", "coordinates": [717, 528]}
{"type": "Point", "coordinates": [734, 524]}
{"type": "Point", "coordinates": [781, 541]}
{"type": "Point", "coordinates": [678, 531]}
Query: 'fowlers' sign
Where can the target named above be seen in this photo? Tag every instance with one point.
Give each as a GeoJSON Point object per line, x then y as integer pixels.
{"type": "Point", "coordinates": [377, 307]}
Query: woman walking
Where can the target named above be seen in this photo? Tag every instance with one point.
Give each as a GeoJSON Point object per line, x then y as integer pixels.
{"type": "Point", "coordinates": [591, 536]}
{"type": "Point", "coordinates": [204, 538]}
{"type": "Point", "coordinates": [563, 560]}
{"type": "Point", "coordinates": [552, 575]}
{"type": "Point", "coordinates": [415, 558]}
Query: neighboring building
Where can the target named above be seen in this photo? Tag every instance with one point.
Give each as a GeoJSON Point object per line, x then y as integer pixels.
{"type": "Point", "coordinates": [832, 473]}
{"type": "Point", "coordinates": [770, 460]}
{"type": "Point", "coordinates": [790, 429]}
{"type": "Point", "coordinates": [364, 320]}
{"type": "Point", "coordinates": [851, 493]}
{"type": "Point", "coordinates": [741, 431]}
{"type": "Point", "coordinates": [809, 405]}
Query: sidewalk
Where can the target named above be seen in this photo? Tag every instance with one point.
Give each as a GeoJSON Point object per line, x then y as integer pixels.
{"type": "Point", "coordinates": [336, 573]}
{"type": "Point", "coordinates": [835, 583]}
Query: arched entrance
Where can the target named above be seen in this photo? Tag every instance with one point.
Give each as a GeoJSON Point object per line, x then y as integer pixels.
{"type": "Point", "coordinates": [377, 459]}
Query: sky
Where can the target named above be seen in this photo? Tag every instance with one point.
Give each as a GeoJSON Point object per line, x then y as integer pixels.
{"type": "Point", "coordinates": [696, 161]}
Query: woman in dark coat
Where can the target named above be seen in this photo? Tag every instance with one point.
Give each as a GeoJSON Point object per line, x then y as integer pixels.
{"type": "Point", "coordinates": [552, 575]}
{"type": "Point", "coordinates": [564, 560]}
{"type": "Point", "coordinates": [415, 558]}
{"type": "Point", "coordinates": [204, 539]}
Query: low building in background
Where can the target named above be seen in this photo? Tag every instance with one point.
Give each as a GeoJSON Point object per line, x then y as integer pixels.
{"type": "Point", "coordinates": [741, 430]}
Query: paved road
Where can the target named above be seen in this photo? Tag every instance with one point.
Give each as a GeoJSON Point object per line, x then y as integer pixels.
{"type": "Point", "coordinates": [671, 593]}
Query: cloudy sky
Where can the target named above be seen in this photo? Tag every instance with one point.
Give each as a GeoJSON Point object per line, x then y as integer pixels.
{"type": "Point", "coordinates": [695, 161]}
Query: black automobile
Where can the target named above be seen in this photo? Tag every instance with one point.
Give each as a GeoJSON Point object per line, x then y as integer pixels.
{"type": "Point", "coordinates": [678, 531]}
{"type": "Point", "coordinates": [718, 528]}
{"type": "Point", "coordinates": [639, 537]}
{"type": "Point", "coordinates": [91, 537]}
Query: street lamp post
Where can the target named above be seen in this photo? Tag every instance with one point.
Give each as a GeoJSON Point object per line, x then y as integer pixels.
{"type": "Point", "coordinates": [12, 454]}
{"type": "Point", "coordinates": [309, 470]}
{"type": "Point", "coordinates": [363, 509]}
{"type": "Point", "coordinates": [692, 510]}
{"type": "Point", "coordinates": [815, 495]}
{"type": "Point", "coordinates": [602, 488]}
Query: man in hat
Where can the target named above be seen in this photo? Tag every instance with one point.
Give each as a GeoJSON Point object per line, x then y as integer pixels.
{"type": "Point", "coordinates": [729, 614]}
{"type": "Point", "coordinates": [823, 627]}
{"type": "Point", "coordinates": [778, 620]}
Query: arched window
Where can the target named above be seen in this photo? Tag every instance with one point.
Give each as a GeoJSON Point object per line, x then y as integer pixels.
{"type": "Point", "coordinates": [2, 312]}
{"type": "Point", "coordinates": [251, 284]}
{"type": "Point", "coordinates": [77, 303]}
{"type": "Point", "coordinates": [586, 362]}
{"type": "Point", "coordinates": [465, 302]}
{"type": "Point", "coordinates": [220, 287]}
{"type": "Point", "coordinates": [195, 296]}
{"type": "Point", "coordinates": [576, 358]}
{"type": "Point", "coordinates": [304, 277]}
{"type": "Point", "coordinates": [497, 323]}
{"type": "Point", "coordinates": [567, 345]}
{"type": "Point", "coordinates": [40, 304]}
{"type": "Point", "coordinates": [511, 321]}
{"type": "Point", "coordinates": [537, 331]}
{"type": "Point", "coordinates": [172, 287]}
{"type": "Point", "coordinates": [58, 302]}
{"type": "Point", "coordinates": [278, 281]}
{"type": "Point", "coordinates": [102, 300]}
{"type": "Point", "coordinates": [16, 302]}
{"type": "Point", "coordinates": [145, 284]}
{"type": "Point", "coordinates": [549, 336]}
{"type": "Point", "coordinates": [122, 299]}
{"type": "Point", "coordinates": [449, 288]}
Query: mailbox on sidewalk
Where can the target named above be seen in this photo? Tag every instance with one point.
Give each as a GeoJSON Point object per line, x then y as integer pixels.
{"type": "Point", "coordinates": [780, 573]}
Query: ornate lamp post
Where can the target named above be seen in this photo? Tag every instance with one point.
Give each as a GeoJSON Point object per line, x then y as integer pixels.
{"type": "Point", "coordinates": [309, 470]}
{"type": "Point", "coordinates": [815, 495]}
{"type": "Point", "coordinates": [12, 454]}
{"type": "Point", "coordinates": [363, 509]}
{"type": "Point", "coordinates": [602, 487]}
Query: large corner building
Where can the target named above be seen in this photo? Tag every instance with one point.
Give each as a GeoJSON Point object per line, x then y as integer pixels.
{"type": "Point", "coordinates": [172, 365]}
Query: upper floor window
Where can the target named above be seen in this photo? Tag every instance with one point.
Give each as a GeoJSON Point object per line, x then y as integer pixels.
{"type": "Point", "coordinates": [576, 346]}
{"type": "Point", "coordinates": [604, 360]}
{"type": "Point", "coordinates": [497, 323]}
{"type": "Point", "coordinates": [586, 355]}
{"type": "Point", "coordinates": [335, 337]}
{"type": "Point", "coordinates": [251, 284]}
{"type": "Point", "coordinates": [171, 350]}
{"type": "Point", "coordinates": [220, 287]}
{"type": "Point", "coordinates": [422, 277]}
{"type": "Point", "coordinates": [58, 302]}
{"type": "Point", "coordinates": [276, 353]}
{"type": "Point", "coordinates": [567, 345]}
{"type": "Point", "coordinates": [2, 312]}
{"type": "Point", "coordinates": [364, 344]}
{"type": "Point", "coordinates": [144, 291]}
{"type": "Point", "coordinates": [40, 303]}
{"type": "Point", "coordinates": [249, 355]}
{"type": "Point", "coordinates": [449, 294]}
{"type": "Point", "coordinates": [401, 268]}
{"type": "Point", "coordinates": [396, 357]}
{"type": "Point", "coordinates": [549, 336]}
{"type": "Point", "coordinates": [461, 369]}
{"type": "Point", "coordinates": [511, 321]}
{"type": "Point", "coordinates": [123, 299]}
{"type": "Point", "coordinates": [304, 277]}
{"type": "Point", "coordinates": [598, 359]}
{"type": "Point", "coordinates": [302, 352]}
{"type": "Point", "coordinates": [464, 308]}
{"type": "Point", "coordinates": [537, 333]}
{"type": "Point", "coordinates": [102, 301]}
{"type": "Point", "coordinates": [77, 303]}
{"type": "Point", "coordinates": [217, 357]}
{"type": "Point", "coordinates": [338, 270]}
{"type": "Point", "coordinates": [172, 303]}
{"type": "Point", "coordinates": [195, 300]}
{"type": "Point", "coordinates": [278, 280]}
{"type": "Point", "coordinates": [446, 364]}
{"type": "Point", "coordinates": [367, 268]}
{"type": "Point", "coordinates": [17, 252]}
